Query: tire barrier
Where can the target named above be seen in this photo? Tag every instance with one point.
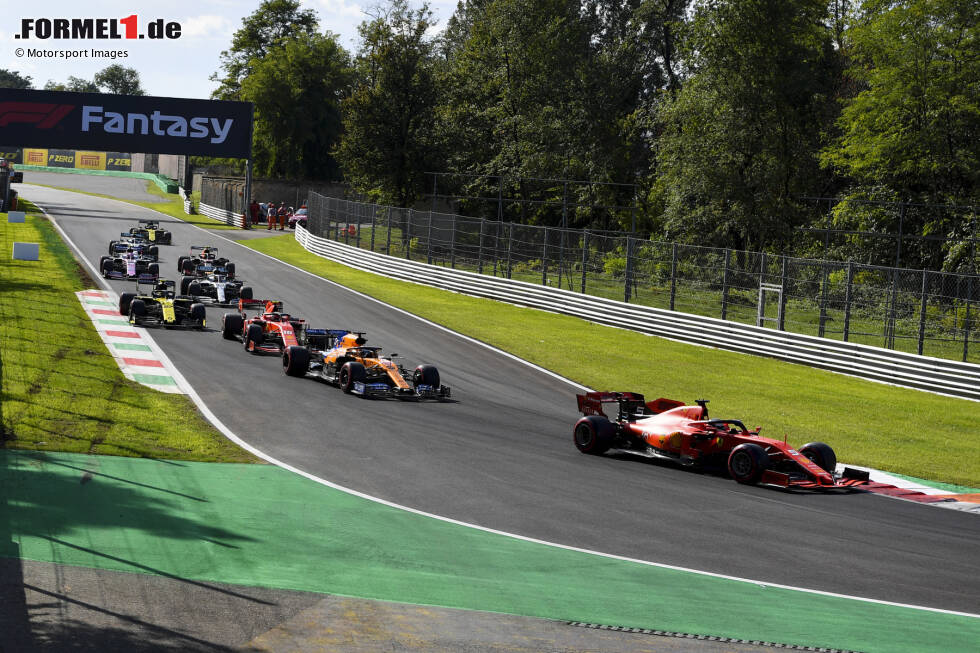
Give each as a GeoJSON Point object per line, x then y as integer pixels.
{"type": "Point", "coordinates": [865, 361]}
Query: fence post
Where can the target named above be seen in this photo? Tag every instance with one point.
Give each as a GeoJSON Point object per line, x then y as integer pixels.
{"type": "Point", "coordinates": [544, 259]}
{"type": "Point", "coordinates": [673, 274]}
{"type": "Point", "coordinates": [628, 277]}
{"type": "Point", "coordinates": [374, 222]}
{"type": "Point", "coordinates": [388, 241]}
{"type": "Point", "coordinates": [452, 246]}
{"type": "Point", "coordinates": [824, 278]}
{"type": "Point", "coordinates": [922, 310]}
{"type": "Point", "coordinates": [966, 319]}
{"type": "Point", "coordinates": [784, 280]}
{"type": "Point", "coordinates": [357, 233]}
{"type": "Point", "coordinates": [428, 244]}
{"type": "Point", "coordinates": [847, 300]}
{"type": "Point", "coordinates": [479, 252]}
{"type": "Point", "coordinates": [724, 285]}
{"type": "Point", "coordinates": [890, 321]}
{"type": "Point", "coordinates": [407, 235]}
{"type": "Point", "coordinates": [510, 242]}
{"type": "Point", "coordinates": [585, 256]}
{"type": "Point", "coordinates": [347, 228]}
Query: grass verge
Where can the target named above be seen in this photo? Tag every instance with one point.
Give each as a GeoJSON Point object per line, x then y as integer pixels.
{"type": "Point", "coordinates": [61, 389]}
{"type": "Point", "coordinates": [896, 429]}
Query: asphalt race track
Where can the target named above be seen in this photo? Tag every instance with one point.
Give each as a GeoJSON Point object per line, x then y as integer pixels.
{"type": "Point", "coordinates": [501, 454]}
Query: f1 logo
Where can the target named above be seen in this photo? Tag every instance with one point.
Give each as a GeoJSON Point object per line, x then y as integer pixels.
{"type": "Point", "coordinates": [42, 114]}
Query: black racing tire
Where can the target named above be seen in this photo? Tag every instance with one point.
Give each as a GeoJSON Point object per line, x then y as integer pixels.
{"type": "Point", "coordinates": [747, 462]}
{"type": "Point", "coordinates": [232, 325]}
{"type": "Point", "coordinates": [821, 454]}
{"type": "Point", "coordinates": [295, 360]}
{"type": "Point", "coordinates": [154, 269]}
{"type": "Point", "coordinates": [152, 250]}
{"type": "Point", "coordinates": [125, 300]}
{"type": "Point", "coordinates": [137, 310]}
{"type": "Point", "coordinates": [426, 375]}
{"type": "Point", "coordinates": [253, 335]}
{"type": "Point", "coordinates": [102, 262]}
{"type": "Point", "coordinates": [198, 315]}
{"type": "Point", "coordinates": [184, 283]}
{"type": "Point", "coordinates": [194, 289]}
{"type": "Point", "coordinates": [166, 238]}
{"type": "Point", "coordinates": [180, 263]}
{"type": "Point", "coordinates": [106, 267]}
{"type": "Point", "coordinates": [350, 373]}
{"type": "Point", "coordinates": [594, 434]}
{"type": "Point", "coordinates": [112, 246]}
{"type": "Point", "coordinates": [245, 292]}
{"type": "Point", "coordinates": [189, 267]}
{"type": "Point", "coordinates": [230, 269]}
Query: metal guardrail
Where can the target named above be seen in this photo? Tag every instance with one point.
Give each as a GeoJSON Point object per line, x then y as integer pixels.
{"type": "Point", "coordinates": [228, 217]}
{"type": "Point", "coordinates": [885, 365]}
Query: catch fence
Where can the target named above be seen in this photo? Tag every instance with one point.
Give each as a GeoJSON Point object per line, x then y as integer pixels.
{"type": "Point", "coordinates": [916, 311]}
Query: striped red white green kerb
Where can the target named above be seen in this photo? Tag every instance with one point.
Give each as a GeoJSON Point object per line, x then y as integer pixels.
{"type": "Point", "coordinates": [130, 346]}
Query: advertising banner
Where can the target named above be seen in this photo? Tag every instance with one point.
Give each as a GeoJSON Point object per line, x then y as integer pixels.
{"type": "Point", "coordinates": [10, 153]}
{"type": "Point", "coordinates": [126, 123]}
{"type": "Point", "coordinates": [35, 157]}
{"type": "Point", "coordinates": [118, 160]}
{"type": "Point", "coordinates": [61, 158]}
{"type": "Point", "coordinates": [90, 160]}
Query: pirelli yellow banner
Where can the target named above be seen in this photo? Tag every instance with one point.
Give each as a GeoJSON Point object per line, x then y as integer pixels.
{"type": "Point", "coordinates": [90, 160]}
{"type": "Point", "coordinates": [35, 157]}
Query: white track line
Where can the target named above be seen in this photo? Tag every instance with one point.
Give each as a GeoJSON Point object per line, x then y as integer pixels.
{"type": "Point", "coordinates": [234, 438]}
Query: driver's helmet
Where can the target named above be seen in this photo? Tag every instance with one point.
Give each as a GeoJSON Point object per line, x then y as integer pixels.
{"type": "Point", "coordinates": [161, 286]}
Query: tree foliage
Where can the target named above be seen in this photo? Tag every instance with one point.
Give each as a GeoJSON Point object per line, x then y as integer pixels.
{"type": "Point", "coordinates": [119, 80]}
{"type": "Point", "coordinates": [13, 79]}
{"type": "Point", "coordinates": [389, 142]}
{"type": "Point", "coordinates": [297, 88]}
{"type": "Point", "coordinates": [76, 84]}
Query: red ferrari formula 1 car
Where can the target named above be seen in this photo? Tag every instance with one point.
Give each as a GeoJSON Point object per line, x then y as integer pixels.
{"type": "Point", "coordinates": [665, 428]}
{"type": "Point", "coordinates": [271, 331]}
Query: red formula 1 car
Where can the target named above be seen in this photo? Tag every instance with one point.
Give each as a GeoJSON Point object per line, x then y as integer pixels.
{"type": "Point", "coordinates": [665, 428]}
{"type": "Point", "coordinates": [271, 331]}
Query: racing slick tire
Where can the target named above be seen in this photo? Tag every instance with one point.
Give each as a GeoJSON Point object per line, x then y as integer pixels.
{"type": "Point", "coordinates": [747, 462]}
{"type": "Point", "coordinates": [184, 283]}
{"type": "Point", "coordinates": [230, 269]}
{"type": "Point", "coordinates": [154, 269]}
{"type": "Point", "coordinates": [180, 263]}
{"type": "Point", "coordinates": [350, 373]}
{"type": "Point", "coordinates": [112, 246]}
{"type": "Point", "coordinates": [102, 262]}
{"type": "Point", "coordinates": [821, 455]}
{"type": "Point", "coordinates": [295, 360]}
{"type": "Point", "coordinates": [245, 292]}
{"type": "Point", "coordinates": [426, 375]}
{"type": "Point", "coordinates": [189, 267]}
{"type": "Point", "coordinates": [194, 289]}
{"type": "Point", "coordinates": [106, 267]}
{"type": "Point", "coordinates": [594, 434]}
{"type": "Point", "coordinates": [253, 336]}
{"type": "Point", "coordinates": [137, 310]}
{"type": "Point", "coordinates": [232, 325]}
{"type": "Point", "coordinates": [125, 300]}
{"type": "Point", "coordinates": [153, 251]}
{"type": "Point", "coordinates": [198, 315]}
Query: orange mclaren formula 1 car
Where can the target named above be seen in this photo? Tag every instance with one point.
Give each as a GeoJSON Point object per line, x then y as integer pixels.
{"type": "Point", "coordinates": [270, 331]}
{"type": "Point", "coordinates": [665, 428]}
{"type": "Point", "coordinates": [339, 357]}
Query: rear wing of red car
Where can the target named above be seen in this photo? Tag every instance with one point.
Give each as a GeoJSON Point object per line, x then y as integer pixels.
{"type": "Point", "coordinates": [261, 305]}
{"type": "Point", "coordinates": [628, 404]}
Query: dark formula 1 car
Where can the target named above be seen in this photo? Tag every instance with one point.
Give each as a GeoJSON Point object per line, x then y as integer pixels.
{"type": "Point", "coordinates": [340, 357]}
{"type": "Point", "coordinates": [150, 230]}
{"type": "Point", "coordinates": [271, 331]}
{"type": "Point", "coordinates": [160, 305]}
{"type": "Point", "coordinates": [130, 243]}
{"type": "Point", "coordinates": [128, 265]}
{"type": "Point", "coordinates": [665, 428]}
{"type": "Point", "coordinates": [204, 260]}
{"type": "Point", "coordinates": [215, 289]}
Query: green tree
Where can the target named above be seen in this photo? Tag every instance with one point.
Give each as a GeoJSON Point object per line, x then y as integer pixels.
{"type": "Point", "coordinates": [914, 128]}
{"type": "Point", "coordinates": [73, 84]}
{"type": "Point", "coordinates": [297, 88]}
{"type": "Point", "coordinates": [269, 25]}
{"type": "Point", "coordinates": [388, 119]}
{"type": "Point", "coordinates": [741, 137]}
{"type": "Point", "coordinates": [119, 80]}
{"type": "Point", "coordinates": [13, 79]}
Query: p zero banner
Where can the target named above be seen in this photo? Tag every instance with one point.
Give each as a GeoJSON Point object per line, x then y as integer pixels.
{"type": "Point", "coordinates": [125, 123]}
{"type": "Point", "coordinates": [118, 160]}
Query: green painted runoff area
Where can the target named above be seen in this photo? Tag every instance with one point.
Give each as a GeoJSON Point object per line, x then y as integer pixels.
{"type": "Point", "coordinates": [260, 525]}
